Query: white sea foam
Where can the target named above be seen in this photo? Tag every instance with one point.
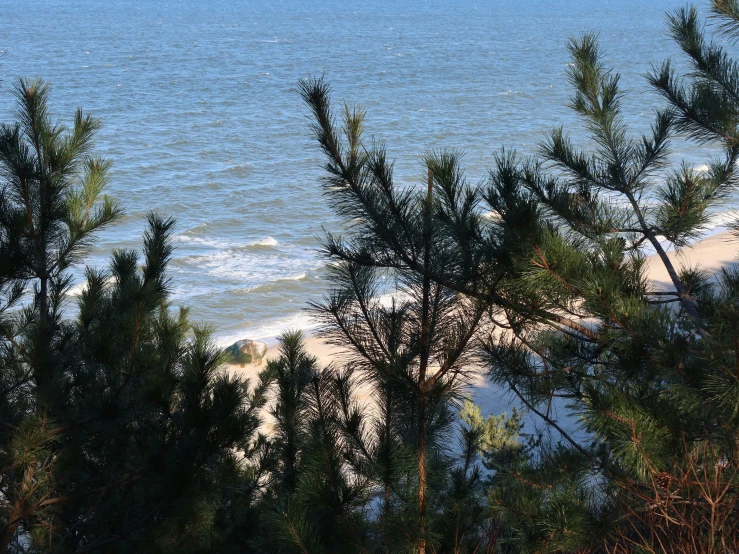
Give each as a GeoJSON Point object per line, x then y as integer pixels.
{"type": "Point", "coordinates": [192, 236]}
{"type": "Point", "coordinates": [718, 222]}
{"type": "Point", "coordinates": [269, 331]}
{"type": "Point", "coordinates": [196, 230]}
{"type": "Point", "coordinates": [250, 267]}
{"type": "Point", "coordinates": [202, 241]}
{"type": "Point", "coordinates": [266, 241]}
{"type": "Point", "coordinates": [241, 168]}
{"type": "Point", "coordinates": [77, 289]}
{"type": "Point", "coordinates": [386, 300]}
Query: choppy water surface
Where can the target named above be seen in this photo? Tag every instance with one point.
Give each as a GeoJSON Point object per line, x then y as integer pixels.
{"type": "Point", "coordinates": [202, 121]}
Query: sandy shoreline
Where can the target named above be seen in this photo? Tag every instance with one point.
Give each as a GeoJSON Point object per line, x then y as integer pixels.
{"type": "Point", "coordinates": [709, 254]}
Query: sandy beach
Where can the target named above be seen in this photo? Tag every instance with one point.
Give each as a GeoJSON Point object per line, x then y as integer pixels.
{"type": "Point", "coordinates": [710, 254]}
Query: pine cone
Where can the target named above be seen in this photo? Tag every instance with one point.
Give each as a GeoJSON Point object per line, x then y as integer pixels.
{"type": "Point", "coordinates": [663, 480]}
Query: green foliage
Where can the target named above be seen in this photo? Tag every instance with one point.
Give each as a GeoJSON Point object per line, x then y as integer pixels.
{"type": "Point", "coordinates": [496, 432]}
{"type": "Point", "coordinates": [412, 352]}
{"type": "Point", "coordinates": [293, 371]}
{"type": "Point", "coordinates": [119, 430]}
{"type": "Point", "coordinates": [635, 385]}
{"type": "Point", "coordinates": [315, 503]}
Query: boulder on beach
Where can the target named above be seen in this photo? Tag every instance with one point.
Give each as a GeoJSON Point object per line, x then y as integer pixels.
{"type": "Point", "coordinates": [246, 351]}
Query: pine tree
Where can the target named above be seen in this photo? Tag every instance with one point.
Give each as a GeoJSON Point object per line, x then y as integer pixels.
{"type": "Point", "coordinates": [413, 351]}
{"type": "Point", "coordinates": [314, 503]}
{"type": "Point", "coordinates": [119, 429]}
{"type": "Point", "coordinates": [293, 371]}
{"type": "Point", "coordinates": [574, 328]}
{"type": "Point", "coordinates": [50, 207]}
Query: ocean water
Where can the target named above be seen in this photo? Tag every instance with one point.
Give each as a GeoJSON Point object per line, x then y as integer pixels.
{"type": "Point", "coordinates": [202, 121]}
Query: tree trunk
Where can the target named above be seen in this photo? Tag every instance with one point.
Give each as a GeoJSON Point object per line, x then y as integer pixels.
{"type": "Point", "coordinates": [423, 366]}
{"type": "Point", "coordinates": [42, 363]}
{"type": "Point", "coordinates": [17, 513]}
{"type": "Point", "coordinates": [43, 302]}
{"type": "Point", "coordinates": [422, 474]}
{"type": "Point", "coordinates": [9, 532]}
{"type": "Point", "coordinates": [42, 370]}
{"type": "Point", "coordinates": [387, 475]}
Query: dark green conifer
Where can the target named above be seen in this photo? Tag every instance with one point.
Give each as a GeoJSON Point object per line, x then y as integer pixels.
{"type": "Point", "coordinates": [412, 351]}
{"type": "Point", "coordinates": [315, 503]}
{"type": "Point", "coordinates": [635, 383]}
{"type": "Point", "coordinates": [118, 429]}
{"type": "Point", "coordinates": [50, 207]}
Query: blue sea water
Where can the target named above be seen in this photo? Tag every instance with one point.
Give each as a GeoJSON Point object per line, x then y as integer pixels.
{"type": "Point", "coordinates": [202, 121]}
